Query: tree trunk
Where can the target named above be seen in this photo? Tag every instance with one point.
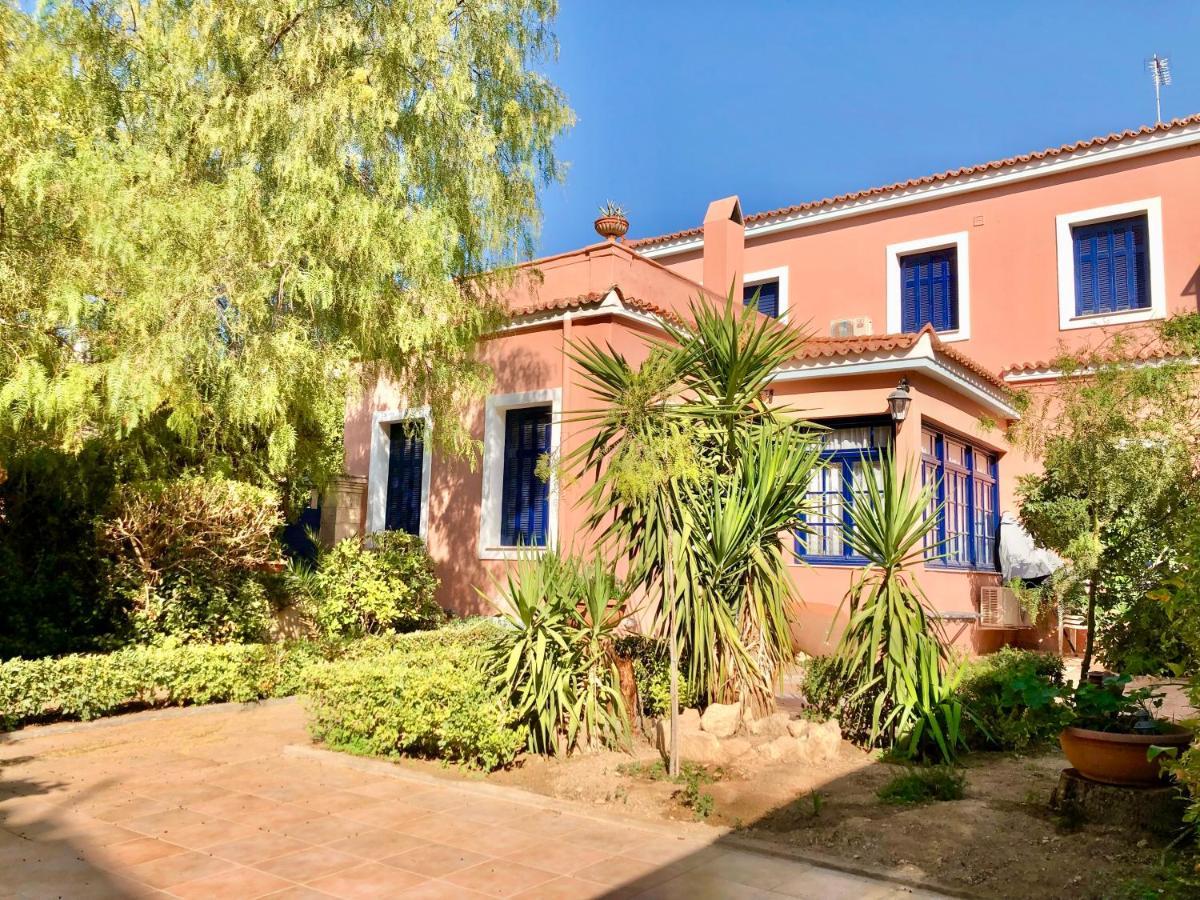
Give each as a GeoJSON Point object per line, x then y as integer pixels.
{"type": "Point", "coordinates": [673, 637]}
{"type": "Point", "coordinates": [1091, 628]}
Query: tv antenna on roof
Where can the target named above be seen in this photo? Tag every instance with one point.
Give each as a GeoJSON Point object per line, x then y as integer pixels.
{"type": "Point", "coordinates": [1160, 70]}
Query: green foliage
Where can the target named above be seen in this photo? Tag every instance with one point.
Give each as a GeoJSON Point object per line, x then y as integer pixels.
{"type": "Point", "coordinates": [436, 700]}
{"type": "Point", "coordinates": [693, 796]}
{"type": "Point", "coordinates": [1119, 443]}
{"type": "Point", "coordinates": [86, 686]}
{"type": "Point", "coordinates": [219, 214]}
{"type": "Point", "coordinates": [1011, 695]}
{"type": "Point", "coordinates": [357, 589]}
{"type": "Point", "coordinates": [892, 657]}
{"type": "Point", "coordinates": [698, 484]}
{"type": "Point", "coordinates": [555, 659]}
{"type": "Point", "coordinates": [188, 557]}
{"type": "Point", "coordinates": [924, 785]}
{"type": "Point", "coordinates": [652, 674]}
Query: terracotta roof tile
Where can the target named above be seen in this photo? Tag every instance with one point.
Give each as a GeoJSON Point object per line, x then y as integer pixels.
{"type": "Point", "coordinates": [592, 298]}
{"type": "Point", "coordinates": [1023, 158]}
{"type": "Point", "coordinates": [1151, 350]}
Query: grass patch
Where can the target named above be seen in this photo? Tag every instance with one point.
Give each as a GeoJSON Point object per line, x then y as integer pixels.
{"type": "Point", "coordinates": [692, 779]}
{"type": "Point", "coordinates": [923, 785]}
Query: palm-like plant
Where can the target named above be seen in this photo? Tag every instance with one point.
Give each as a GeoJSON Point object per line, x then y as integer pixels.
{"type": "Point", "coordinates": [697, 480]}
{"type": "Point", "coordinates": [893, 654]}
{"type": "Point", "coordinates": [555, 660]}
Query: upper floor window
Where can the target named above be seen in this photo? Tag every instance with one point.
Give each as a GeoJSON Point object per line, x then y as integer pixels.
{"type": "Point", "coordinates": [850, 455]}
{"type": "Point", "coordinates": [1110, 265]}
{"type": "Point", "coordinates": [929, 284]}
{"type": "Point", "coordinates": [769, 288]}
{"type": "Point", "coordinates": [965, 495]}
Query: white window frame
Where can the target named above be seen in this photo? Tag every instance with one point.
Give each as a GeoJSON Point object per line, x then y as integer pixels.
{"type": "Point", "coordinates": [779, 274]}
{"type": "Point", "coordinates": [895, 291]}
{"type": "Point", "coordinates": [495, 409]}
{"type": "Point", "coordinates": [377, 472]}
{"type": "Point", "coordinates": [1151, 208]}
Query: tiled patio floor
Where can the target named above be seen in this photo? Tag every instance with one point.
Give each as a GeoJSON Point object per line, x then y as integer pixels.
{"type": "Point", "coordinates": [211, 803]}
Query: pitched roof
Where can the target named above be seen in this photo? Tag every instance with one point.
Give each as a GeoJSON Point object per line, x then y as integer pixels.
{"type": "Point", "coordinates": [592, 298]}
{"type": "Point", "coordinates": [1150, 350]}
{"type": "Point", "coordinates": [827, 347]}
{"type": "Point", "coordinates": [1048, 153]}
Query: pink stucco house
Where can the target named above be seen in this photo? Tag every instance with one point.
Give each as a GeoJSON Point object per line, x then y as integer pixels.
{"type": "Point", "coordinates": [964, 284]}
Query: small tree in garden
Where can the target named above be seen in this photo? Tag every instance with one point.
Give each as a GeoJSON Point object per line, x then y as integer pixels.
{"type": "Point", "coordinates": [892, 657]}
{"type": "Point", "coordinates": [1119, 445]}
{"type": "Point", "coordinates": [699, 482]}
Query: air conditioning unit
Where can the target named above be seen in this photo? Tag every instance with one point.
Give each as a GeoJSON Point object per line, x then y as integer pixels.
{"type": "Point", "coordinates": [999, 607]}
{"type": "Point", "coordinates": [859, 326]}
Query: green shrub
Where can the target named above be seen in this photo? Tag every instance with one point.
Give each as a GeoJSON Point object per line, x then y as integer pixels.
{"type": "Point", "coordinates": [357, 590]}
{"type": "Point", "coordinates": [86, 686]}
{"type": "Point", "coordinates": [652, 673]}
{"type": "Point", "coordinates": [189, 556]}
{"type": "Point", "coordinates": [1008, 693]}
{"type": "Point", "coordinates": [436, 701]}
{"type": "Point", "coordinates": [922, 785]}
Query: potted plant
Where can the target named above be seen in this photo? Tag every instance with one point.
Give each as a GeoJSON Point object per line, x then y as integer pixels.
{"type": "Point", "coordinates": [612, 223]}
{"type": "Point", "coordinates": [1110, 733]}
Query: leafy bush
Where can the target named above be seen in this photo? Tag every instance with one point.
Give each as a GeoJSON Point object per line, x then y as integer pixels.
{"type": "Point", "coordinates": [652, 673]}
{"type": "Point", "coordinates": [358, 590]}
{"type": "Point", "coordinates": [555, 660]}
{"type": "Point", "coordinates": [190, 555]}
{"type": "Point", "coordinates": [86, 686]}
{"type": "Point", "coordinates": [922, 785]}
{"type": "Point", "coordinates": [1008, 693]}
{"type": "Point", "coordinates": [436, 701]}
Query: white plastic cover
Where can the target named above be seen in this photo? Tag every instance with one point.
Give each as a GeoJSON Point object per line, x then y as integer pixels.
{"type": "Point", "coordinates": [1020, 557]}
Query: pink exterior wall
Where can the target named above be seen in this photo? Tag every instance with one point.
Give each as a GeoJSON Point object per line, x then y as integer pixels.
{"type": "Point", "coordinates": [839, 269]}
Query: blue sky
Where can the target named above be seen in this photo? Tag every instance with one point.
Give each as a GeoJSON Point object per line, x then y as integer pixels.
{"type": "Point", "coordinates": [680, 103]}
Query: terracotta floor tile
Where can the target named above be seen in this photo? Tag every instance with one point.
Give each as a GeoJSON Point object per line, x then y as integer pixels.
{"type": "Point", "coordinates": [126, 810]}
{"type": "Point", "coordinates": [163, 823]}
{"type": "Point", "coordinates": [262, 845]}
{"type": "Point", "coordinates": [500, 878]}
{"type": "Point", "coordinates": [384, 813]}
{"type": "Point", "coordinates": [436, 860]}
{"type": "Point", "coordinates": [234, 884]}
{"type": "Point", "coordinates": [336, 802]}
{"type": "Point", "coordinates": [440, 890]}
{"type": "Point", "coordinates": [133, 853]}
{"type": "Point", "coordinates": [299, 892]}
{"type": "Point", "coordinates": [566, 889]}
{"type": "Point", "coordinates": [491, 811]}
{"type": "Point", "coordinates": [438, 799]}
{"type": "Point", "coordinates": [493, 840]}
{"type": "Point", "coordinates": [308, 864]}
{"type": "Point", "coordinates": [660, 849]}
{"type": "Point", "coordinates": [558, 857]}
{"type": "Point", "coordinates": [369, 880]}
{"type": "Point", "coordinates": [177, 868]}
{"type": "Point", "coordinates": [321, 830]}
{"type": "Point", "coordinates": [378, 843]}
{"type": "Point", "coordinates": [617, 870]}
{"type": "Point", "coordinates": [205, 834]}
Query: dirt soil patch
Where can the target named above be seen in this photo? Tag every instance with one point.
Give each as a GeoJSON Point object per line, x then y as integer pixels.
{"type": "Point", "coordinates": [1000, 840]}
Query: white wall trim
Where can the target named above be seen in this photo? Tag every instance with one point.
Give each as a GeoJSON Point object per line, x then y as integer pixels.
{"type": "Point", "coordinates": [1151, 207]}
{"type": "Point", "coordinates": [493, 469]}
{"type": "Point", "coordinates": [1131, 147]}
{"type": "Point", "coordinates": [377, 472]}
{"type": "Point", "coordinates": [554, 317]}
{"type": "Point", "coordinates": [960, 242]}
{"type": "Point", "coordinates": [780, 274]}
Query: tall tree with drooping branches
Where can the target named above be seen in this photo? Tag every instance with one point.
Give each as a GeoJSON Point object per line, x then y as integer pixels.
{"type": "Point", "coordinates": [217, 215]}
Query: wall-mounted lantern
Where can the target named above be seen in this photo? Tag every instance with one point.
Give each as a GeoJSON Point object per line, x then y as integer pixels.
{"type": "Point", "coordinates": [899, 401]}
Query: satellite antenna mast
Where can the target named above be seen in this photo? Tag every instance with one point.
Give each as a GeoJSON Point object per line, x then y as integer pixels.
{"type": "Point", "coordinates": [1160, 71]}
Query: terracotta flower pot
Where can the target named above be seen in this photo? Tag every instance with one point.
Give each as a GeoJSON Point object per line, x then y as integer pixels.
{"type": "Point", "coordinates": [1119, 758]}
{"type": "Point", "coordinates": [611, 227]}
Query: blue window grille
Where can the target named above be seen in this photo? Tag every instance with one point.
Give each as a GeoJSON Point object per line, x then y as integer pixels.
{"type": "Point", "coordinates": [405, 463]}
{"type": "Point", "coordinates": [525, 504]}
{"type": "Point", "coordinates": [768, 297]}
{"type": "Point", "coordinates": [829, 512]}
{"type": "Point", "coordinates": [929, 291]}
{"type": "Point", "coordinates": [1111, 268]}
{"type": "Point", "coordinates": [966, 497]}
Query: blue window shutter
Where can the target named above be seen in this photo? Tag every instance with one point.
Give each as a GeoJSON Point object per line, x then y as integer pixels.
{"type": "Point", "coordinates": [524, 505]}
{"type": "Point", "coordinates": [1111, 266]}
{"type": "Point", "coordinates": [929, 291]}
{"type": "Point", "coordinates": [768, 297]}
{"type": "Point", "coordinates": [405, 463]}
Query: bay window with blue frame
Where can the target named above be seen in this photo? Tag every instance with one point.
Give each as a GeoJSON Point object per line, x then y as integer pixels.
{"type": "Point", "coordinates": [965, 501]}
{"type": "Point", "coordinates": [850, 453]}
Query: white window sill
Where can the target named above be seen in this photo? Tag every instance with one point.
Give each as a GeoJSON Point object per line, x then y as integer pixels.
{"type": "Point", "coordinates": [510, 552]}
{"type": "Point", "coordinates": [1118, 318]}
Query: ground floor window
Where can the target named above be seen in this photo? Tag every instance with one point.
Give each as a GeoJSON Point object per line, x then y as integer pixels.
{"type": "Point", "coordinates": [525, 503]}
{"type": "Point", "coordinates": [406, 462]}
{"type": "Point", "coordinates": [965, 501]}
{"type": "Point", "coordinates": [849, 454]}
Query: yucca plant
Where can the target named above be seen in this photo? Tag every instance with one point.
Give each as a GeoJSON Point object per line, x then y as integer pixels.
{"type": "Point", "coordinates": [892, 654]}
{"type": "Point", "coordinates": [555, 659]}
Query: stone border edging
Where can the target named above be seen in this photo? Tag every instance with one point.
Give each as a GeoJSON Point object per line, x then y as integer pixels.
{"type": "Point", "coordinates": [720, 835]}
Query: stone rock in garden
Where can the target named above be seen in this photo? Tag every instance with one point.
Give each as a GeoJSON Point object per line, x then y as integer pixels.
{"type": "Point", "coordinates": [799, 728]}
{"type": "Point", "coordinates": [700, 747]}
{"type": "Point", "coordinates": [822, 742]}
{"type": "Point", "coordinates": [781, 749]}
{"type": "Point", "coordinates": [689, 723]}
{"type": "Point", "coordinates": [689, 720]}
{"type": "Point", "coordinates": [1156, 810]}
{"type": "Point", "coordinates": [774, 725]}
{"type": "Point", "coordinates": [722, 719]}
{"type": "Point", "coordinates": [735, 748]}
